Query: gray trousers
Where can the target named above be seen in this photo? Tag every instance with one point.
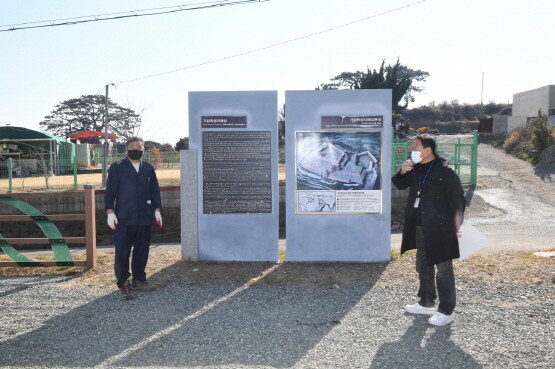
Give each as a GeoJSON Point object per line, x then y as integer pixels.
{"type": "Point", "coordinates": [444, 280]}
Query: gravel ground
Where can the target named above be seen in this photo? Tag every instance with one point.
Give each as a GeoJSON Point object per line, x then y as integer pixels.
{"type": "Point", "coordinates": [288, 316]}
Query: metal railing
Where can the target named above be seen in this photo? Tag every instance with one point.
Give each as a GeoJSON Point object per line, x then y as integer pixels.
{"type": "Point", "coordinates": [27, 175]}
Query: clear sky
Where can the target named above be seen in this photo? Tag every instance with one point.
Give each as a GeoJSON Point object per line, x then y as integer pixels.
{"type": "Point", "coordinates": [510, 41]}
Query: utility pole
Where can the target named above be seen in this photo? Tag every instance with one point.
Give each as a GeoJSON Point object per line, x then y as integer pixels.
{"type": "Point", "coordinates": [104, 163]}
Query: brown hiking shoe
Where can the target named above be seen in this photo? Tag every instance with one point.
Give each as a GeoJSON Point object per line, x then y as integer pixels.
{"type": "Point", "coordinates": [143, 286]}
{"type": "Point", "coordinates": [125, 292]}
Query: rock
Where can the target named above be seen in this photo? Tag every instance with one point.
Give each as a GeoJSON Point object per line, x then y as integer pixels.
{"type": "Point", "coordinates": [547, 157]}
{"type": "Point", "coordinates": [545, 254]}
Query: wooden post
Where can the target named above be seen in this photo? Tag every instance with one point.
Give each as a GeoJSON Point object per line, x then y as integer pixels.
{"type": "Point", "coordinates": [90, 225]}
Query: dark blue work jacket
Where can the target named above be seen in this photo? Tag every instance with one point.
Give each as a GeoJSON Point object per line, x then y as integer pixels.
{"type": "Point", "coordinates": [136, 195]}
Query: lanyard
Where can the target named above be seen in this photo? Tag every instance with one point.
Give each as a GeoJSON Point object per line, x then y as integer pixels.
{"type": "Point", "coordinates": [422, 181]}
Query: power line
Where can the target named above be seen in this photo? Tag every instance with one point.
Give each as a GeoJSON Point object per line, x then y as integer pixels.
{"type": "Point", "coordinates": [276, 44]}
{"type": "Point", "coordinates": [122, 15]}
{"type": "Point", "coordinates": [106, 14]}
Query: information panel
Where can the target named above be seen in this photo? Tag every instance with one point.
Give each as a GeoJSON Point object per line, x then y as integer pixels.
{"type": "Point", "coordinates": [237, 173]}
{"type": "Point", "coordinates": [352, 121]}
{"type": "Point", "coordinates": [224, 122]}
{"type": "Point", "coordinates": [338, 168]}
{"type": "Point", "coordinates": [338, 172]}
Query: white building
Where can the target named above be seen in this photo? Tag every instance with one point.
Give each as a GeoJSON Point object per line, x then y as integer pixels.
{"type": "Point", "coordinates": [526, 106]}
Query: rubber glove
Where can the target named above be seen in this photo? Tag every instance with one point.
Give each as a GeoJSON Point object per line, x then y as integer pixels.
{"type": "Point", "coordinates": [158, 217]}
{"type": "Point", "coordinates": [112, 221]}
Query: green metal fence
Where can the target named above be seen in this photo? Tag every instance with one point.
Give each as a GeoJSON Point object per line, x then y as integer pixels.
{"type": "Point", "coordinates": [400, 151]}
{"type": "Point", "coordinates": [461, 151]}
{"type": "Point", "coordinates": [39, 175]}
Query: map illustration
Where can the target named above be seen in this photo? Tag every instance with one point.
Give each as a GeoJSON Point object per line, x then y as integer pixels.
{"type": "Point", "coordinates": [315, 201]}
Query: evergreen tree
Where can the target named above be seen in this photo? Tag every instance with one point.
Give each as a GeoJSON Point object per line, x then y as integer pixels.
{"type": "Point", "coordinates": [182, 144]}
{"type": "Point", "coordinates": [399, 78]}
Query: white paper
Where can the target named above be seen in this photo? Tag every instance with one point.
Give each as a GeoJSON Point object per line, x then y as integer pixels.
{"type": "Point", "coordinates": [471, 241]}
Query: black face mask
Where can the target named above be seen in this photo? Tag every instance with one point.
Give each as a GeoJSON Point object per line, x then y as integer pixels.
{"type": "Point", "coordinates": [135, 154]}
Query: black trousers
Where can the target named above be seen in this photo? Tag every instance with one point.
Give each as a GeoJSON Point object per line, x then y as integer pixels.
{"type": "Point", "coordinates": [444, 280]}
{"type": "Point", "coordinates": [125, 239]}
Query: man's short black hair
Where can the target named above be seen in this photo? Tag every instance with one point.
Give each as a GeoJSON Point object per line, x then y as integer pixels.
{"type": "Point", "coordinates": [427, 141]}
{"type": "Point", "coordinates": [134, 139]}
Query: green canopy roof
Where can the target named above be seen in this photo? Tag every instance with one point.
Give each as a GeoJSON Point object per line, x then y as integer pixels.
{"type": "Point", "coordinates": [11, 133]}
{"type": "Point", "coordinates": [28, 140]}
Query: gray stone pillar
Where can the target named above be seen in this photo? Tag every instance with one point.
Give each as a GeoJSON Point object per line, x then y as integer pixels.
{"type": "Point", "coordinates": [189, 205]}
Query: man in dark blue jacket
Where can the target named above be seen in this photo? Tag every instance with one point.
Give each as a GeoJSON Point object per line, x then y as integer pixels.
{"type": "Point", "coordinates": [133, 186]}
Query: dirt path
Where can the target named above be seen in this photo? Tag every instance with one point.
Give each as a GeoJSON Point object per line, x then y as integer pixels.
{"type": "Point", "coordinates": [513, 203]}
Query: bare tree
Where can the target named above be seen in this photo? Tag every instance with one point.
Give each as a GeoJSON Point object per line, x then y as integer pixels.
{"type": "Point", "coordinates": [44, 165]}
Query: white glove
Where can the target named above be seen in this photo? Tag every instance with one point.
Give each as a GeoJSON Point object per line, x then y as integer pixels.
{"type": "Point", "coordinates": [112, 221]}
{"type": "Point", "coordinates": [158, 217]}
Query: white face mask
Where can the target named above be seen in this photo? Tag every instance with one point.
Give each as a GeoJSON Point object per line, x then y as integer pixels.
{"type": "Point", "coordinates": [415, 157]}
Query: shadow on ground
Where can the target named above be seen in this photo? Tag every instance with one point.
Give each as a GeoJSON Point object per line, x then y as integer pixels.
{"type": "Point", "coordinates": [545, 172]}
{"type": "Point", "coordinates": [251, 316]}
{"type": "Point", "coordinates": [416, 349]}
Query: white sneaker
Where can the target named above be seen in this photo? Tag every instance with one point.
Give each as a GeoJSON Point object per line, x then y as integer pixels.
{"type": "Point", "coordinates": [440, 319]}
{"type": "Point", "coordinates": [419, 309]}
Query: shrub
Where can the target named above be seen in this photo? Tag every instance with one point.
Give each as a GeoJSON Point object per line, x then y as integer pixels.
{"type": "Point", "coordinates": [519, 144]}
{"type": "Point", "coordinates": [527, 143]}
{"type": "Point", "coordinates": [542, 137]}
{"type": "Point", "coordinates": [526, 156]}
{"type": "Point", "coordinates": [517, 138]}
{"type": "Point", "coordinates": [495, 141]}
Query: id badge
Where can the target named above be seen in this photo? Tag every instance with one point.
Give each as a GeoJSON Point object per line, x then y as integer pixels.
{"type": "Point", "coordinates": [416, 202]}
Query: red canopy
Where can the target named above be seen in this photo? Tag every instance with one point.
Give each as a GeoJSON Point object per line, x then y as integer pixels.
{"type": "Point", "coordinates": [91, 134]}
